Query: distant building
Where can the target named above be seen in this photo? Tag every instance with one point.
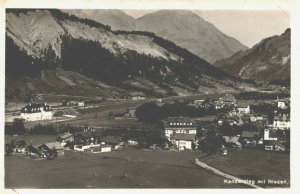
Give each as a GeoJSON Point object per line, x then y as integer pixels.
{"type": "Point", "coordinates": [183, 141]}
{"type": "Point", "coordinates": [137, 96]}
{"type": "Point", "coordinates": [181, 131]}
{"type": "Point", "coordinates": [228, 99]}
{"type": "Point", "coordinates": [36, 112]}
{"type": "Point", "coordinates": [52, 148]}
{"type": "Point", "coordinates": [270, 134]}
{"type": "Point", "coordinates": [64, 138]}
{"type": "Point", "coordinates": [243, 108]}
{"type": "Point", "coordinates": [282, 121]}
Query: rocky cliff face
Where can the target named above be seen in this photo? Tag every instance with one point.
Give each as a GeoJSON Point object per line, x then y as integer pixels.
{"type": "Point", "coordinates": [130, 61]}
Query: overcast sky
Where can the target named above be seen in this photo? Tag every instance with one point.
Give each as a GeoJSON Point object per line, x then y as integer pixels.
{"type": "Point", "coordinates": [249, 27]}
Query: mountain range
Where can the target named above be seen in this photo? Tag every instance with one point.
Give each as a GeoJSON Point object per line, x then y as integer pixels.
{"type": "Point", "coordinates": [183, 27]}
{"type": "Point", "coordinates": [53, 52]}
{"type": "Point", "coordinates": [269, 60]}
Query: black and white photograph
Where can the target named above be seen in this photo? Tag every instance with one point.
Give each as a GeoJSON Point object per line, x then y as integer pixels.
{"type": "Point", "coordinates": [147, 98]}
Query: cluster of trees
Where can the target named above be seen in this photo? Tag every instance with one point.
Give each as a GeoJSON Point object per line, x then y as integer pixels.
{"type": "Point", "coordinates": [19, 63]}
{"type": "Point", "coordinates": [260, 95]}
{"type": "Point", "coordinates": [144, 137]}
{"type": "Point", "coordinates": [49, 129]}
{"type": "Point", "coordinates": [279, 82]}
{"type": "Point", "coordinates": [16, 128]}
{"type": "Point", "coordinates": [152, 113]}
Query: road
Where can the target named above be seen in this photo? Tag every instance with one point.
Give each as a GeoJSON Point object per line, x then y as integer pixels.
{"type": "Point", "coordinates": [225, 175]}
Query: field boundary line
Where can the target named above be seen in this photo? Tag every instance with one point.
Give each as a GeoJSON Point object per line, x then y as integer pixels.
{"type": "Point", "coordinates": [218, 172]}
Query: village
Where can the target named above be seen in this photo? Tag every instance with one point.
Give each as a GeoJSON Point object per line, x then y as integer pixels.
{"type": "Point", "coordinates": [236, 125]}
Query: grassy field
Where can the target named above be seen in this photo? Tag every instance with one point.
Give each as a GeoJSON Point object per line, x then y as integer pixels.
{"type": "Point", "coordinates": [254, 164]}
{"type": "Point", "coordinates": [122, 169]}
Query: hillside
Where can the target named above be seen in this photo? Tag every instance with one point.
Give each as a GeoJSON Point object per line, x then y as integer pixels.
{"type": "Point", "coordinates": [190, 31]}
{"type": "Point", "coordinates": [268, 60]}
{"type": "Point", "coordinates": [131, 61]}
{"type": "Point", "coordinates": [182, 27]}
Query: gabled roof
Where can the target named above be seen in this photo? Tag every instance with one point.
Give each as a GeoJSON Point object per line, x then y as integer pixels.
{"type": "Point", "coordinates": [65, 135]}
{"type": "Point", "coordinates": [53, 145]}
{"type": "Point", "coordinates": [184, 136]}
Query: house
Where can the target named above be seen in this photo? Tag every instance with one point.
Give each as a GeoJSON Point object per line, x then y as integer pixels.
{"type": "Point", "coordinates": [99, 149]}
{"type": "Point", "coordinates": [137, 96]}
{"type": "Point", "coordinates": [33, 150]}
{"type": "Point", "coordinates": [131, 113]}
{"type": "Point", "coordinates": [228, 99]}
{"type": "Point", "coordinates": [115, 141]}
{"type": "Point", "coordinates": [64, 138]}
{"type": "Point", "coordinates": [183, 141]}
{"type": "Point", "coordinates": [52, 150]}
{"type": "Point", "coordinates": [250, 138]}
{"type": "Point", "coordinates": [80, 103]}
{"type": "Point", "coordinates": [270, 134]}
{"type": "Point", "coordinates": [81, 147]}
{"type": "Point", "coordinates": [36, 112]}
{"type": "Point", "coordinates": [20, 146]}
{"type": "Point", "coordinates": [243, 108]}
{"type": "Point", "coordinates": [182, 125]}
{"type": "Point", "coordinates": [219, 105]}
{"type": "Point", "coordinates": [282, 121]}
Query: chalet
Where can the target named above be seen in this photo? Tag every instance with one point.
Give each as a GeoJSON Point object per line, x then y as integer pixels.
{"type": "Point", "coordinates": [179, 125]}
{"type": "Point", "coordinates": [64, 138]}
{"type": "Point", "coordinates": [36, 112]}
{"type": "Point", "coordinates": [243, 108]}
{"type": "Point", "coordinates": [52, 149]}
{"type": "Point", "coordinates": [183, 141]}
{"type": "Point", "coordinates": [282, 121]}
{"type": "Point", "coordinates": [33, 150]}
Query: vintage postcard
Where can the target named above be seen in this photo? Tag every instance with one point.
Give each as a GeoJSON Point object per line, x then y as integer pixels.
{"type": "Point", "coordinates": [165, 97]}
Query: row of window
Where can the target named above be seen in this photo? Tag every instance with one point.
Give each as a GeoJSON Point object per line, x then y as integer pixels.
{"type": "Point", "coordinates": [184, 123]}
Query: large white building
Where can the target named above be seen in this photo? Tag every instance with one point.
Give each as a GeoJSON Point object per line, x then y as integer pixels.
{"type": "Point", "coordinates": [181, 131]}
{"type": "Point", "coordinates": [36, 112]}
{"type": "Point", "coordinates": [282, 122]}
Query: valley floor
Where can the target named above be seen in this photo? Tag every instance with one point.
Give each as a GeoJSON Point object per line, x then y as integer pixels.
{"type": "Point", "coordinates": [119, 169]}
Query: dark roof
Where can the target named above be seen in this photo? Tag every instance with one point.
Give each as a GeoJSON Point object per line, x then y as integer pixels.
{"type": "Point", "coordinates": [184, 136]}
{"type": "Point", "coordinates": [36, 108]}
{"type": "Point", "coordinates": [179, 121]}
{"type": "Point", "coordinates": [112, 139]}
{"type": "Point", "coordinates": [51, 145]}
{"type": "Point", "coordinates": [65, 135]}
{"type": "Point", "coordinates": [249, 134]}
